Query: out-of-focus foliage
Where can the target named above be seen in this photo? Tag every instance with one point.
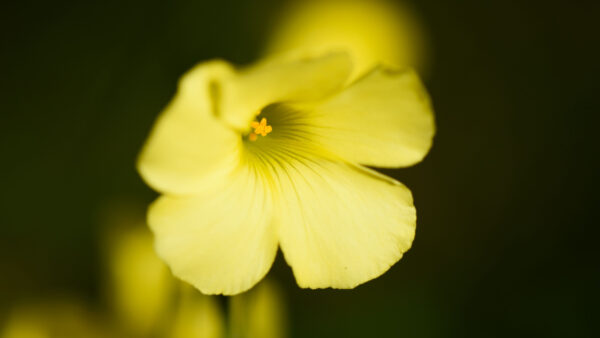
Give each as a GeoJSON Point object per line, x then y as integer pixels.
{"type": "Point", "coordinates": [197, 315]}
{"type": "Point", "coordinates": [61, 317]}
{"type": "Point", "coordinates": [143, 299]}
{"type": "Point", "coordinates": [260, 312]}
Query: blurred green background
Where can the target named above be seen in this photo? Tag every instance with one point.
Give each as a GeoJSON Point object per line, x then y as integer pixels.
{"type": "Point", "coordinates": [507, 233]}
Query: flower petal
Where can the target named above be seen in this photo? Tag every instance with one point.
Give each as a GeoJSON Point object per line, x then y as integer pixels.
{"type": "Point", "coordinates": [384, 119]}
{"type": "Point", "coordinates": [221, 241]}
{"type": "Point", "coordinates": [283, 78]}
{"type": "Point", "coordinates": [189, 147]}
{"type": "Point", "coordinates": [342, 225]}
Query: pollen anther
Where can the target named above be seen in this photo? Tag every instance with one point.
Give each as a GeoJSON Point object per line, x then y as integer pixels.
{"type": "Point", "coordinates": [259, 129]}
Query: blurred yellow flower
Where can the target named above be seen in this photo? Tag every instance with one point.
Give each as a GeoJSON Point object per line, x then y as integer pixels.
{"type": "Point", "coordinates": [373, 31]}
{"type": "Point", "coordinates": [230, 199]}
{"type": "Point", "coordinates": [138, 285]}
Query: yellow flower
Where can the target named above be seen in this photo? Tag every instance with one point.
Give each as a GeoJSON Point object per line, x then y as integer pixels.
{"type": "Point", "coordinates": [373, 31]}
{"type": "Point", "coordinates": [229, 201]}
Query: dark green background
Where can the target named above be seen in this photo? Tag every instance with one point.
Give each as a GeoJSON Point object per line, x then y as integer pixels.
{"type": "Point", "coordinates": [507, 239]}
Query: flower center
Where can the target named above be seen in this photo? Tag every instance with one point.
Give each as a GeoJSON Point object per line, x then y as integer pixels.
{"type": "Point", "coordinates": [260, 128]}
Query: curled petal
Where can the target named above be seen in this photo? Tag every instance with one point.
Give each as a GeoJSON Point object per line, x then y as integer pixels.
{"type": "Point", "coordinates": [189, 147]}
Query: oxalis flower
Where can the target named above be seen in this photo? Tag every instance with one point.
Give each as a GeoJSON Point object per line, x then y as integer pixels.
{"type": "Point", "coordinates": [273, 156]}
